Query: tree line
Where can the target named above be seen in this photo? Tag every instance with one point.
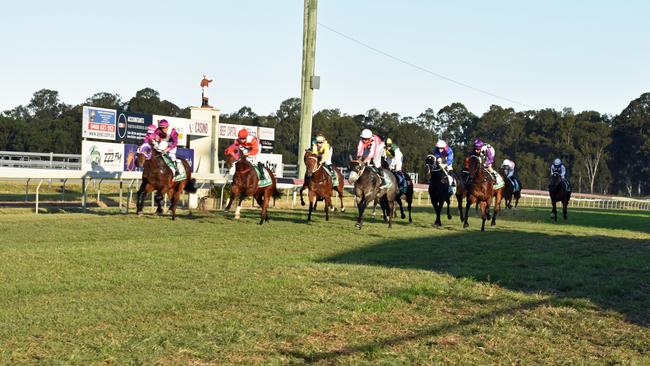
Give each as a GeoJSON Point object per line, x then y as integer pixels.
{"type": "Point", "coordinates": [603, 153]}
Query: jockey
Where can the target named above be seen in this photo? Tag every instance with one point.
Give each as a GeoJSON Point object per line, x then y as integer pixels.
{"type": "Point", "coordinates": [445, 156]}
{"type": "Point", "coordinates": [394, 158]}
{"type": "Point", "coordinates": [164, 141]}
{"type": "Point", "coordinates": [485, 152]}
{"type": "Point", "coordinates": [558, 167]}
{"type": "Point", "coordinates": [324, 151]}
{"type": "Point", "coordinates": [509, 168]}
{"type": "Point", "coordinates": [369, 149]}
{"type": "Point", "coordinates": [250, 147]}
{"type": "Point", "coordinates": [150, 137]}
{"type": "Point", "coordinates": [393, 155]}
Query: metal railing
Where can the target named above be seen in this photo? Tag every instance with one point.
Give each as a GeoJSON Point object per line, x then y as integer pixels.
{"type": "Point", "coordinates": [18, 159]}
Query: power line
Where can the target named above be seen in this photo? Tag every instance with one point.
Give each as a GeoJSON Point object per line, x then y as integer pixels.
{"type": "Point", "coordinates": [422, 68]}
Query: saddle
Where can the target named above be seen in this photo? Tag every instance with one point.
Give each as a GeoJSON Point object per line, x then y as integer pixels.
{"type": "Point", "coordinates": [179, 169]}
{"type": "Point", "coordinates": [262, 182]}
{"type": "Point", "coordinates": [332, 173]}
{"type": "Point", "coordinates": [401, 181]}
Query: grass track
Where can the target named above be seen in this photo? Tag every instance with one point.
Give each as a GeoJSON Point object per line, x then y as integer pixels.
{"type": "Point", "coordinates": [108, 288]}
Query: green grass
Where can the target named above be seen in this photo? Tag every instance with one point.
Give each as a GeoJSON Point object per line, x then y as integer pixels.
{"type": "Point", "coordinates": [103, 287]}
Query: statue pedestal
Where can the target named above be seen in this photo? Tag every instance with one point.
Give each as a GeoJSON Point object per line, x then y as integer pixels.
{"type": "Point", "coordinates": [206, 147]}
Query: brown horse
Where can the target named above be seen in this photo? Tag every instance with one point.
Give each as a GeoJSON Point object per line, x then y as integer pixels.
{"type": "Point", "coordinates": [508, 191]}
{"type": "Point", "coordinates": [320, 185]}
{"type": "Point", "coordinates": [157, 176]}
{"type": "Point", "coordinates": [338, 188]}
{"type": "Point", "coordinates": [480, 188]}
{"type": "Point", "coordinates": [245, 183]}
{"type": "Point", "coordinates": [559, 193]}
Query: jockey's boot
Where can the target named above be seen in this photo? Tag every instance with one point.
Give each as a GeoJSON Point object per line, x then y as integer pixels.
{"type": "Point", "coordinates": [261, 168]}
{"type": "Point", "coordinates": [176, 171]}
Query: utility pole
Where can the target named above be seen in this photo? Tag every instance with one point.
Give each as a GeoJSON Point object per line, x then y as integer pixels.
{"type": "Point", "coordinates": [309, 82]}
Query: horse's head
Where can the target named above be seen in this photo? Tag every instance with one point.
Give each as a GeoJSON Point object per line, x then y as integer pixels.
{"type": "Point", "coordinates": [473, 165]}
{"type": "Point", "coordinates": [233, 155]}
{"type": "Point", "coordinates": [311, 162]}
{"type": "Point", "coordinates": [356, 169]}
{"type": "Point", "coordinates": [145, 152]}
{"type": "Point", "coordinates": [556, 179]}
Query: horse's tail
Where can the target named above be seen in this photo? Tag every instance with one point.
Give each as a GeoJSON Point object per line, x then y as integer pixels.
{"type": "Point", "coordinates": [190, 187]}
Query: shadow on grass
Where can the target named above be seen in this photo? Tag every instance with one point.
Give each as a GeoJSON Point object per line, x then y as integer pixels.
{"type": "Point", "coordinates": [610, 272]}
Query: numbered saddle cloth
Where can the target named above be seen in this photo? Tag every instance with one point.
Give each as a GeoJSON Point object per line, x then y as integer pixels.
{"type": "Point", "coordinates": [499, 183]}
{"type": "Point", "coordinates": [335, 177]}
{"type": "Point", "coordinates": [181, 174]}
{"type": "Point", "coordinates": [262, 182]}
{"type": "Point", "coordinates": [387, 179]}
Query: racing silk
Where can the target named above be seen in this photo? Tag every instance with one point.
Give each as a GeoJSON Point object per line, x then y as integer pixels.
{"type": "Point", "coordinates": [447, 153]}
{"type": "Point", "coordinates": [251, 147]}
{"type": "Point", "coordinates": [559, 169]}
{"type": "Point", "coordinates": [171, 138]}
{"type": "Point", "coordinates": [151, 138]}
{"type": "Point", "coordinates": [394, 157]}
{"type": "Point", "coordinates": [324, 153]}
{"type": "Point", "coordinates": [369, 150]}
{"type": "Point", "coordinates": [488, 152]}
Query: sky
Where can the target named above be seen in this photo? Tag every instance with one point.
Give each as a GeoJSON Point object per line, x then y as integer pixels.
{"type": "Point", "coordinates": [587, 55]}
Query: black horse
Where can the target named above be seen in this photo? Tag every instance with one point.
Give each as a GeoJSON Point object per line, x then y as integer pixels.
{"type": "Point", "coordinates": [367, 189]}
{"type": "Point", "coordinates": [559, 192]}
{"type": "Point", "coordinates": [439, 192]}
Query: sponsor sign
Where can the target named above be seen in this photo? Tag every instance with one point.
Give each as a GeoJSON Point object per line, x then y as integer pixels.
{"type": "Point", "coordinates": [102, 156]}
{"type": "Point", "coordinates": [267, 146]}
{"type": "Point", "coordinates": [98, 123]}
{"type": "Point", "coordinates": [229, 131]}
{"type": "Point", "coordinates": [130, 157]}
{"type": "Point", "coordinates": [198, 128]}
{"type": "Point", "coordinates": [187, 154]}
{"type": "Point", "coordinates": [132, 127]}
{"type": "Point", "coordinates": [266, 133]}
{"type": "Point", "coordinates": [180, 124]}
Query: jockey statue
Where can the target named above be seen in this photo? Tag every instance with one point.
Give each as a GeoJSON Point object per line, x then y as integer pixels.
{"type": "Point", "coordinates": [509, 169]}
{"type": "Point", "coordinates": [559, 168]}
{"type": "Point", "coordinates": [445, 156]}
{"type": "Point", "coordinates": [164, 141]}
{"type": "Point", "coordinates": [394, 158]}
{"type": "Point", "coordinates": [369, 150]}
{"type": "Point", "coordinates": [486, 153]}
{"type": "Point", "coordinates": [250, 147]}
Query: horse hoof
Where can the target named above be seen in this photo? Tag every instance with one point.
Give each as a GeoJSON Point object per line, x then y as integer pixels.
{"type": "Point", "coordinates": [139, 213]}
{"type": "Point", "coordinates": [226, 211]}
{"type": "Point", "coordinates": [449, 217]}
{"type": "Point", "coordinates": [358, 225]}
{"type": "Point", "coordinates": [343, 209]}
{"type": "Point", "coordinates": [403, 216]}
{"type": "Point", "coordinates": [236, 217]}
{"type": "Point", "coordinates": [493, 224]}
{"type": "Point", "coordinates": [465, 225]}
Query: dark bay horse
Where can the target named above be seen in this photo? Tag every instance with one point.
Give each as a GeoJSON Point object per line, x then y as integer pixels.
{"type": "Point", "coordinates": [480, 189]}
{"type": "Point", "coordinates": [245, 183]}
{"type": "Point", "coordinates": [408, 196]}
{"type": "Point", "coordinates": [438, 187]}
{"type": "Point", "coordinates": [320, 185]}
{"type": "Point", "coordinates": [157, 176]}
{"type": "Point", "coordinates": [367, 189]}
{"type": "Point", "coordinates": [559, 193]}
{"type": "Point", "coordinates": [316, 173]}
{"type": "Point", "coordinates": [508, 191]}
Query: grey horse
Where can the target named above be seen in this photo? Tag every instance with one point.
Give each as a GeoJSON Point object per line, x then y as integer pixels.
{"type": "Point", "coordinates": [367, 189]}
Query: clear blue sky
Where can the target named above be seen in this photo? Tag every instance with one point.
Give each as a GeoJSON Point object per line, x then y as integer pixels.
{"type": "Point", "coordinates": [588, 55]}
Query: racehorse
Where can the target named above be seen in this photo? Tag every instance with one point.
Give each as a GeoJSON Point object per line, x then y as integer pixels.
{"type": "Point", "coordinates": [367, 189]}
{"type": "Point", "coordinates": [245, 183]}
{"type": "Point", "coordinates": [480, 188]}
{"type": "Point", "coordinates": [559, 193]}
{"type": "Point", "coordinates": [157, 176]}
{"type": "Point", "coordinates": [438, 187]}
{"type": "Point", "coordinates": [408, 196]}
{"type": "Point", "coordinates": [320, 185]}
{"type": "Point", "coordinates": [316, 172]}
{"type": "Point", "coordinates": [508, 191]}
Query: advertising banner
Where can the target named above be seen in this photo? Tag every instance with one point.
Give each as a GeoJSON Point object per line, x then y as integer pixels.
{"type": "Point", "coordinates": [229, 131]}
{"type": "Point", "coordinates": [266, 133]}
{"type": "Point", "coordinates": [98, 123]}
{"type": "Point", "coordinates": [102, 156]}
{"type": "Point", "coordinates": [180, 124]}
{"type": "Point", "coordinates": [267, 146]}
{"type": "Point", "coordinates": [187, 154]}
{"type": "Point", "coordinates": [132, 127]}
{"type": "Point", "coordinates": [273, 162]}
{"type": "Point", "coordinates": [198, 128]}
{"type": "Point", "coordinates": [130, 156]}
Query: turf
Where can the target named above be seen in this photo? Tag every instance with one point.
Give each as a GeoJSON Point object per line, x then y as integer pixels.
{"type": "Point", "coordinates": [103, 287]}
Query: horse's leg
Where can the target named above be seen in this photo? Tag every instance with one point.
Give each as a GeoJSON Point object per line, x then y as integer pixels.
{"type": "Point", "coordinates": [302, 201]}
{"type": "Point", "coordinates": [467, 206]}
{"type": "Point", "coordinates": [409, 202]}
{"type": "Point", "coordinates": [497, 209]}
{"type": "Point", "coordinates": [448, 200]}
{"type": "Point", "coordinates": [361, 205]}
{"type": "Point", "coordinates": [142, 193]}
{"type": "Point", "coordinates": [312, 203]}
{"type": "Point", "coordinates": [328, 206]}
{"type": "Point", "coordinates": [565, 205]}
{"type": "Point", "coordinates": [174, 201]}
{"type": "Point", "coordinates": [263, 200]}
{"type": "Point", "coordinates": [459, 199]}
{"type": "Point", "coordinates": [240, 198]}
{"type": "Point", "coordinates": [234, 192]}
{"type": "Point", "coordinates": [159, 203]}
{"type": "Point", "coordinates": [391, 211]}
{"type": "Point", "coordinates": [401, 208]}
{"type": "Point", "coordinates": [340, 190]}
{"type": "Point", "coordinates": [438, 206]}
{"type": "Point", "coordinates": [484, 213]}
{"type": "Point", "coordinates": [553, 210]}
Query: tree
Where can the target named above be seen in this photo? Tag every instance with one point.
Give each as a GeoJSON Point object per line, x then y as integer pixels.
{"type": "Point", "coordinates": [592, 137]}
{"type": "Point", "coordinates": [456, 125]}
{"type": "Point", "coordinates": [105, 100]}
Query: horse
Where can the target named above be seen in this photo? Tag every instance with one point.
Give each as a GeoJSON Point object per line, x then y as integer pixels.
{"type": "Point", "coordinates": [559, 193]}
{"type": "Point", "coordinates": [245, 183]}
{"type": "Point", "coordinates": [367, 188]}
{"type": "Point", "coordinates": [320, 185]}
{"type": "Point", "coordinates": [480, 188]}
{"type": "Point", "coordinates": [157, 176]}
{"type": "Point", "coordinates": [438, 187]}
{"type": "Point", "coordinates": [338, 188]}
{"type": "Point", "coordinates": [408, 196]}
{"type": "Point", "coordinates": [508, 191]}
